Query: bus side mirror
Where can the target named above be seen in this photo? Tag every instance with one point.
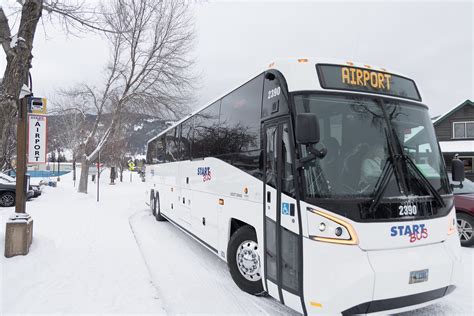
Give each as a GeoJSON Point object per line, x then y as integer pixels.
{"type": "Point", "coordinates": [307, 129]}
{"type": "Point", "coordinates": [457, 170]}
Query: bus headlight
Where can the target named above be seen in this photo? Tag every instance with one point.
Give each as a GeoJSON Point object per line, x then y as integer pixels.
{"type": "Point", "coordinates": [327, 228]}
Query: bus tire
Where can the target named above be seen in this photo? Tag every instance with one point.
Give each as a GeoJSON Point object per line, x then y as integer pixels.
{"type": "Point", "coordinates": [244, 261]}
{"type": "Point", "coordinates": [152, 202]}
{"type": "Point", "coordinates": [158, 216]}
{"type": "Point", "coordinates": [465, 229]}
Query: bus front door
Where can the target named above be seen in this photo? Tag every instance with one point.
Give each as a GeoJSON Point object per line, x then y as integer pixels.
{"type": "Point", "coordinates": [282, 229]}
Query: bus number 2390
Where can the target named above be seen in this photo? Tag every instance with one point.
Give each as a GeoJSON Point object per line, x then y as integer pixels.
{"type": "Point", "coordinates": [274, 93]}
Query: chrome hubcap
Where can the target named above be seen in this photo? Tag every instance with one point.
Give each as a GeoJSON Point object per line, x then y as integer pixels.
{"type": "Point", "coordinates": [464, 229]}
{"type": "Point", "coordinates": [248, 260]}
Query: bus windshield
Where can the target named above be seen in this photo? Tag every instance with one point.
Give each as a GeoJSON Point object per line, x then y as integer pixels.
{"type": "Point", "coordinates": [359, 134]}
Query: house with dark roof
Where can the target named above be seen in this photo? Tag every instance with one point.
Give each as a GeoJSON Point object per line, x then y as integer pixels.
{"type": "Point", "coordinates": [455, 133]}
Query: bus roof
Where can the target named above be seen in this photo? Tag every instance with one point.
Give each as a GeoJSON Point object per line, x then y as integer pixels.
{"type": "Point", "coordinates": [300, 75]}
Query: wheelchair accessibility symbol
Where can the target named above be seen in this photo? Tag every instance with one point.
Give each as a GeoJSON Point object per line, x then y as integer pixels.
{"type": "Point", "coordinates": [285, 208]}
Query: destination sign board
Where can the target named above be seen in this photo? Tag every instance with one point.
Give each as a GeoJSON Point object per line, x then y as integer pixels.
{"type": "Point", "coordinates": [340, 77]}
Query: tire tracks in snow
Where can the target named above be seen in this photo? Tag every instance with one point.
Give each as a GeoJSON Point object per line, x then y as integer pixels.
{"type": "Point", "coordinates": [158, 297]}
{"type": "Point", "coordinates": [188, 278]}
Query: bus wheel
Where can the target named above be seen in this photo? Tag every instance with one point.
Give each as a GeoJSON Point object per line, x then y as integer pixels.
{"type": "Point", "coordinates": [152, 202]}
{"type": "Point", "coordinates": [158, 216]}
{"type": "Point", "coordinates": [465, 229]}
{"type": "Point", "coordinates": [244, 261]}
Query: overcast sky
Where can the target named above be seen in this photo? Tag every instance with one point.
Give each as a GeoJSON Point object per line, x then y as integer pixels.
{"type": "Point", "coordinates": [431, 42]}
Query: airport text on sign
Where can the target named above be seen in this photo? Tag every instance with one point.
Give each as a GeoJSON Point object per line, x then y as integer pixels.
{"type": "Point", "coordinates": [37, 138]}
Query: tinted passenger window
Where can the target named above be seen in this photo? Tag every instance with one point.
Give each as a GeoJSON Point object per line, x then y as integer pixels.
{"type": "Point", "coordinates": [186, 139]}
{"type": "Point", "coordinates": [287, 181]}
{"type": "Point", "coordinates": [172, 145]}
{"type": "Point", "coordinates": [271, 154]}
{"type": "Point", "coordinates": [160, 149]}
{"type": "Point", "coordinates": [270, 251]}
{"type": "Point", "coordinates": [240, 118]}
{"type": "Point", "coordinates": [206, 130]}
{"type": "Point", "coordinates": [289, 255]}
{"type": "Point", "coordinates": [151, 152]}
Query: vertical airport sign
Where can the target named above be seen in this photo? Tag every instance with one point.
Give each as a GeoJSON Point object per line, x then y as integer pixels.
{"type": "Point", "coordinates": [37, 138]}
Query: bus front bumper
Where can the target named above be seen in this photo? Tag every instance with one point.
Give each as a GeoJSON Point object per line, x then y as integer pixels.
{"type": "Point", "coordinates": [345, 279]}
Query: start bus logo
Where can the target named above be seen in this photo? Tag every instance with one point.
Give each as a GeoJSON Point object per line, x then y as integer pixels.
{"type": "Point", "coordinates": [414, 232]}
{"type": "Point", "coordinates": [205, 172]}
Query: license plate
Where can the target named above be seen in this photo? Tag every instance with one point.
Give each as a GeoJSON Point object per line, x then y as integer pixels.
{"type": "Point", "coordinates": [418, 276]}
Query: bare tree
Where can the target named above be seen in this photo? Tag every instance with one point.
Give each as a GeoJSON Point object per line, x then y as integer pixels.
{"type": "Point", "coordinates": [18, 53]}
{"type": "Point", "coordinates": [149, 70]}
{"type": "Point", "coordinates": [70, 112]}
{"type": "Point", "coordinates": [17, 43]}
{"type": "Point", "coordinates": [116, 152]}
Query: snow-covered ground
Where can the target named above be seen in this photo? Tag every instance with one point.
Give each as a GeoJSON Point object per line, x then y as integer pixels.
{"type": "Point", "coordinates": [189, 278]}
{"type": "Point", "coordinates": [84, 258]}
{"type": "Point", "coordinates": [113, 257]}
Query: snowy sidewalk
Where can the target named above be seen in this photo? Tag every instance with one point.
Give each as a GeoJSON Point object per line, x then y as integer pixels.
{"type": "Point", "coordinates": [84, 257]}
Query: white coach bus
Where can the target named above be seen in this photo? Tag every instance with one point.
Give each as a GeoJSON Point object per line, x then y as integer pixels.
{"type": "Point", "coordinates": [320, 183]}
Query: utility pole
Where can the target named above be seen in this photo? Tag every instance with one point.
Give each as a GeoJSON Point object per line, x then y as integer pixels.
{"type": "Point", "coordinates": [19, 230]}
{"type": "Point", "coordinates": [59, 155]}
{"type": "Point", "coordinates": [74, 170]}
{"type": "Point", "coordinates": [98, 176]}
{"type": "Point", "coordinates": [131, 167]}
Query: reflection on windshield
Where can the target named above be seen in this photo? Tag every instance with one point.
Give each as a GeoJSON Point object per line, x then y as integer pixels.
{"type": "Point", "coordinates": [467, 187]}
{"type": "Point", "coordinates": [355, 133]}
{"type": "Point", "coordinates": [416, 136]}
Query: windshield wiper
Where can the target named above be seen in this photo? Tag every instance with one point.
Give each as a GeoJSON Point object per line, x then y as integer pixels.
{"type": "Point", "coordinates": [395, 157]}
{"type": "Point", "coordinates": [420, 177]}
{"type": "Point", "coordinates": [382, 184]}
{"type": "Point", "coordinates": [392, 166]}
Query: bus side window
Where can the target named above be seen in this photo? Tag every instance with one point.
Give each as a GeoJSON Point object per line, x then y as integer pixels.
{"type": "Point", "coordinates": [160, 149]}
{"type": "Point", "coordinates": [186, 139]}
{"type": "Point", "coordinates": [271, 176]}
{"type": "Point", "coordinates": [151, 152]}
{"type": "Point", "coordinates": [206, 128]}
{"type": "Point", "coordinates": [287, 185]}
{"type": "Point", "coordinates": [171, 146]}
{"type": "Point", "coordinates": [240, 118]}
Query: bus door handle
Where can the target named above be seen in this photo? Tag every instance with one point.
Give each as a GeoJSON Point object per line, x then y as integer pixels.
{"type": "Point", "coordinates": [269, 196]}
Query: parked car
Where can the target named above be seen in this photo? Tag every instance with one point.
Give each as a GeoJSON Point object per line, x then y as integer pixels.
{"type": "Point", "coordinates": [7, 177]}
{"type": "Point", "coordinates": [464, 203]}
{"type": "Point", "coordinates": [36, 190]}
{"type": "Point", "coordinates": [8, 191]}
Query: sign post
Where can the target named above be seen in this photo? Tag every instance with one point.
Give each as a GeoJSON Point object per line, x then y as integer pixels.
{"type": "Point", "coordinates": [19, 230]}
{"type": "Point", "coordinates": [98, 176]}
{"type": "Point", "coordinates": [74, 171]}
{"type": "Point", "coordinates": [131, 167]}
